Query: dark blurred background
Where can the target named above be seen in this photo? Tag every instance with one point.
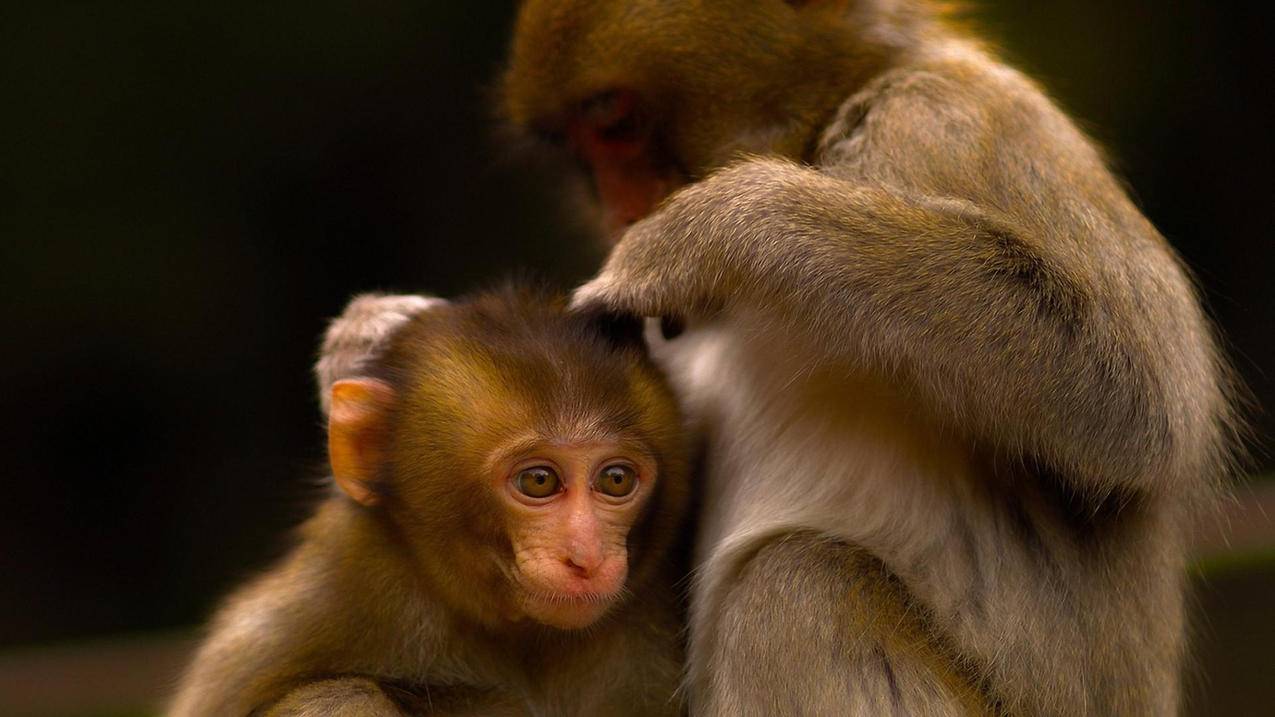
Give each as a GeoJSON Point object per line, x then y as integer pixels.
{"type": "Point", "coordinates": [189, 190]}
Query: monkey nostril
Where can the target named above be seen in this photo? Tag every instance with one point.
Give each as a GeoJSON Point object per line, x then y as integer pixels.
{"type": "Point", "coordinates": [575, 568]}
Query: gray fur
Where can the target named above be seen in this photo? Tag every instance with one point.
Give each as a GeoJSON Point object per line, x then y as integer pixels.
{"type": "Point", "coordinates": [1046, 398]}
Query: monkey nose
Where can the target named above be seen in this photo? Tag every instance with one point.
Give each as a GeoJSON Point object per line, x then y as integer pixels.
{"type": "Point", "coordinates": [584, 562]}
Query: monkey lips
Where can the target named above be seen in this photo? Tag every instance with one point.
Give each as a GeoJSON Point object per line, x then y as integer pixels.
{"type": "Point", "coordinates": [572, 607]}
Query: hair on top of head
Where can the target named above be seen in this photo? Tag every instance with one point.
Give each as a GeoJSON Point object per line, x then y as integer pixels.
{"type": "Point", "coordinates": [544, 308]}
{"type": "Point", "coordinates": [515, 320]}
{"type": "Point", "coordinates": [518, 345]}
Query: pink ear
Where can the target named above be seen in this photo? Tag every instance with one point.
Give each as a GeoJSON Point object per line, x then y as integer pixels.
{"type": "Point", "coordinates": [358, 433]}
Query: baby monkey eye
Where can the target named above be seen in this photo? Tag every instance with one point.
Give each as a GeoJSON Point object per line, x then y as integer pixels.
{"type": "Point", "coordinates": [616, 481]}
{"type": "Point", "coordinates": [538, 482]}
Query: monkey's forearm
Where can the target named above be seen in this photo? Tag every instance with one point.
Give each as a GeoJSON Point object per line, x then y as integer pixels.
{"type": "Point", "coordinates": [1040, 354]}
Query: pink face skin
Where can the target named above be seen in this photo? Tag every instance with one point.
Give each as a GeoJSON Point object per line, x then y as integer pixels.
{"type": "Point", "coordinates": [569, 535]}
{"type": "Point", "coordinates": [612, 138]}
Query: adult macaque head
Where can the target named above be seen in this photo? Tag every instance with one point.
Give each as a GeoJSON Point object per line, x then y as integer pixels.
{"type": "Point", "coordinates": [649, 94]}
{"type": "Point", "coordinates": [529, 463]}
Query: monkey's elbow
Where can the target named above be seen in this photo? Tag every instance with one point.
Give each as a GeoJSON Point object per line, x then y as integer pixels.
{"type": "Point", "coordinates": [1165, 446]}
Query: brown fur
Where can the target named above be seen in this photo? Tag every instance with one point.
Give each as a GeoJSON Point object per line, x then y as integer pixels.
{"type": "Point", "coordinates": [398, 607]}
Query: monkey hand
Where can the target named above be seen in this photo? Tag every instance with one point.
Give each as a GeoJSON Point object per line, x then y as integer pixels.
{"type": "Point", "coordinates": [360, 333]}
{"type": "Point", "coordinates": [336, 697]}
{"type": "Point", "coordinates": [693, 257]}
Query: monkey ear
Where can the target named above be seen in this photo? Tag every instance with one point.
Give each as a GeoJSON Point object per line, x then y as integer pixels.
{"type": "Point", "coordinates": [358, 435]}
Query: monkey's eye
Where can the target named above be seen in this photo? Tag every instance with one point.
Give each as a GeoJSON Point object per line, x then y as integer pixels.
{"type": "Point", "coordinates": [616, 481]}
{"type": "Point", "coordinates": [538, 482]}
{"type": "Point", "coordinates": [613, 118]}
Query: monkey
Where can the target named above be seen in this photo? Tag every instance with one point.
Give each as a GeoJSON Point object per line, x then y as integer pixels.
{"type": "Point", "coordinates": [510, 494]}
{"type": "Point", "coordinates": [959, 400]}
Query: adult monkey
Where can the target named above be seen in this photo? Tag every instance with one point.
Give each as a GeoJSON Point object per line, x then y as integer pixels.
{"type": "Point", "coordinates": [949, 376]}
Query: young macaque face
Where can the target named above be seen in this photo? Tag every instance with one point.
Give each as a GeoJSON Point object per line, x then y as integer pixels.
{"type": "Point", "coordinates": [569, 507]}
{"type": "Point", "coordinates": [520, 456]}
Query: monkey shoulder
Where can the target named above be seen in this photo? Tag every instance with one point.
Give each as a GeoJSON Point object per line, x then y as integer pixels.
{"type": "Point", "coordinates": [931, 122]}
{"type": "Point", "coordinates": [310, 616]}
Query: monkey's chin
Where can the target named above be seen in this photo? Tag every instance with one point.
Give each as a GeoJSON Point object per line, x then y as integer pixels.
{"type": "Point", "coordinates": [567, 612]}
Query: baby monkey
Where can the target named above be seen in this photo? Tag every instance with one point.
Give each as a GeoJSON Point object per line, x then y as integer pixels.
{"type": "Point", "coordinates": [505, 537]}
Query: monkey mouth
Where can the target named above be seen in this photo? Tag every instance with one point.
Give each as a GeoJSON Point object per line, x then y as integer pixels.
{"type": "Point", "coordinates": [572, 598]}
{"type": "Point", "coordinates": [568, 610]}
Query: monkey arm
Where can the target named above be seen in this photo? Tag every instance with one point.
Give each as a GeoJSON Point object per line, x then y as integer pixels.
{"type": "Point", "coordinates": [1042, 355]}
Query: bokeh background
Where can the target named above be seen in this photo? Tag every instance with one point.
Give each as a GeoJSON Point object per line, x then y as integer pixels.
{"type": "Point", "coordinates": [189, 190]}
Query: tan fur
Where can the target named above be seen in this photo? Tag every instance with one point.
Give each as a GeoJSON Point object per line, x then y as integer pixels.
{"type": "Point", "coordinates": [913, 215]}
{"type": "Point", "coordinates": [848, 609]}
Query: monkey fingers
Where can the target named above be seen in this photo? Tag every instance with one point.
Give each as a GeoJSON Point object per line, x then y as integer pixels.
{"type": "Point", "coordinates": [361, 332]}
{"type": "Point", "coordinates": [663, 268]}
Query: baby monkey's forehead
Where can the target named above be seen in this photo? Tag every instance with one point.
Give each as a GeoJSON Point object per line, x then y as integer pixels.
{"type": "Point", "coordinates": [586, 400]}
